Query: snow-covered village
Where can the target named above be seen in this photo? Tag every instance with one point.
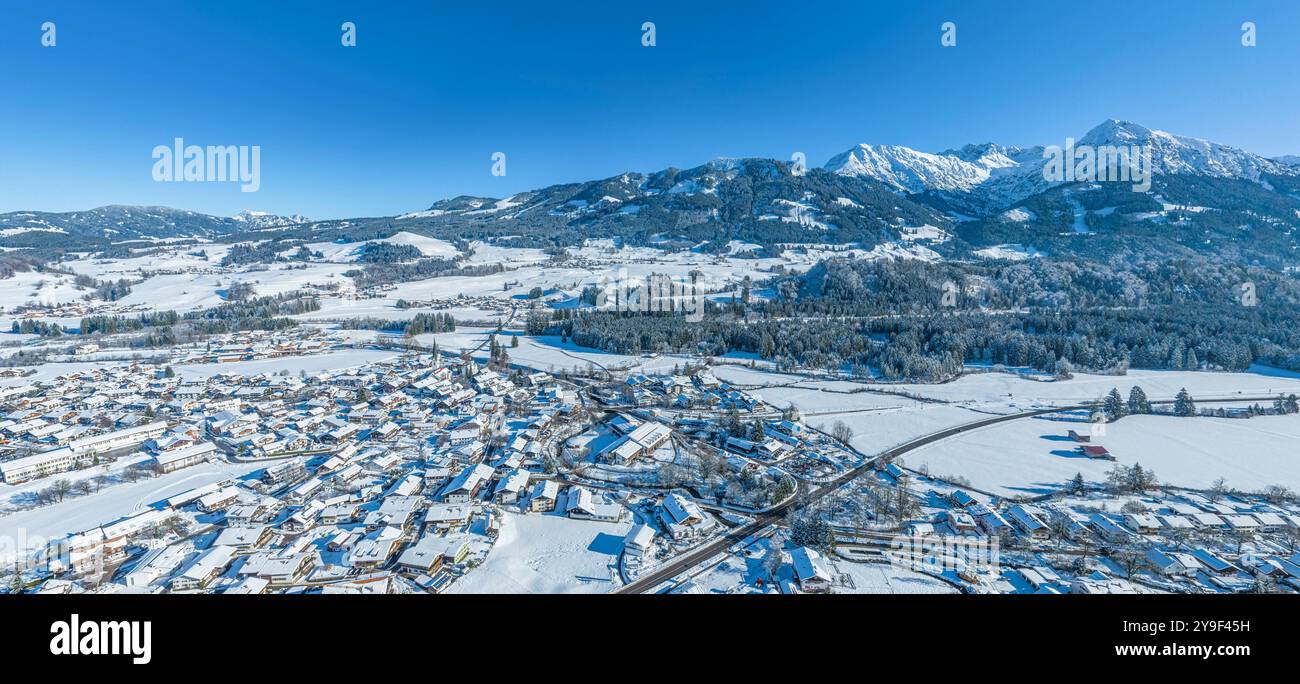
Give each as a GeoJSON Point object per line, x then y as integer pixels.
{"type": "Point", "coordinates": [466, 445]}
{"type": "Point", "coordinates": [880, 330]}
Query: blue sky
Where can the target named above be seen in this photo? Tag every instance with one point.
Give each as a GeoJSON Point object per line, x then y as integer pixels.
{"type": "Point", "coordinates": [414, 112]}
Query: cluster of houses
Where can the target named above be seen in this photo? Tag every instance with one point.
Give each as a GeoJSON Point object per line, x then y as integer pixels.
{"type": "Point", "coordinates": [700, 390]}
{"type": "Point", "coordinates": [779, 439]}
{"type": "Point", "coordinates": [385, 478]}
{"type": "Point", "coordinates": [83, 417]}
{"type": "Point", "coordinates": [257, 345]}
{"type": "Point", "coordinates": [77, 309]}
{"type": "Point", "coordinates": [384, 521]}
{"type": "Point", "coordinates": [393, 476]}
{"type": "Point", "coordinates": [92, 417]}
{"type": "Point", "coordinates": [1187, 541]}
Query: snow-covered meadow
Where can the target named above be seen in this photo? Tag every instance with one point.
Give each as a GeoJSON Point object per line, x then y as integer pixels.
{"type": "Point", "coordinates": [1034, 456]}
{"type": "Point", "coordinates": [1015, 391]}
{"type": "Point", "coordinates": [548, 352]}
{"type": "Point", "coordinates": [549, 554]}
{"type": "Point", "coordinates": [28, 530]}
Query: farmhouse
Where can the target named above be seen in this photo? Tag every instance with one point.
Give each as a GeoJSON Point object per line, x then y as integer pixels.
{"type": "Point", "coordinates": [1142, 523]}
{"type": "Point", "coordinates": [244, 539]}
{"type": "Point", "coordinates": [184, 457]}
{"type": "Point", "coordinates": [278, 570]}
{"type": "Point", "coordinates": [1168, 563]}
{"type": "Point", "coordinates": [218, 500]}
{"type": "Point", "coordinates": [1029, 520]}
{"type": "Point", "coordinates": [511, 486]}
{"type": "Point", "coordinates": [989, 520]}
{"type": "Point", "coordinates": [204, 569]}
{"type": "Point", "coordinates": [683, 518]}
{"type": "Point", "coordinates": [543, 496]}
{"type": "Point", "coordinates": [639, 540]}
{"type": "Point", "coordinates": [1096, 452]}
{"type": "Point", "coordinates": [810, 570]}
{"type": "Point", "coordinates": [447, 515]}
{"type": "Point", "coordinates": [584, 505]}
{"type": "Point", "coordinates": [1110, 530]}
{"type": "Point", "coordinates": [375, 549]}
{"type": "Point", "coordinates": [430, 553]}
{"type": "Point", "coordinates": [339, 513]}
{"type": "Point", "coordinates": [1214, 562]}
{"type": "Point", "coordinates": [466, 485]}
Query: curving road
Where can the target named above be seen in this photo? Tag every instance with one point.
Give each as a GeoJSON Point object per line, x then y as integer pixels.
{"type": "Point", "coordinates": [692, 558]}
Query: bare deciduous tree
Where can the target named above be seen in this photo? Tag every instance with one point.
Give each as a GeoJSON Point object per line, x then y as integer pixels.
{"type": "Point", "coordinates": [841, 432]}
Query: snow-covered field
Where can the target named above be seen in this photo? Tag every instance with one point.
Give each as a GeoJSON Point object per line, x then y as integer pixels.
{"type": "Point", "coordinates": [878, 421]}
{"type": "Point", "coordinates": [186, 278]}
{"type": "Point", "coordinates": [1026, 457]}
{"type": "Point", "coordinates": [879, 578]}
{"type": "Point", "coordinates": [344, 252]}
{"type": "Point", "coordinates": [1083, 387]}
{"type": "Point", "coordinates": [199, 257]}
{"type": "Point", "coordinates": [1014, 391]}
{"type": "Point", "coordinates": [547, 352]}
{"type": "Point", "coordinates": [31, 529]}
{"type": "Point", "coordinates": [1034, 456]}
{"type": "Point", "coordinates": [314, 363]}
{"type": "Point", "coordinates": [37, 288]}
{"type": "Point", "coordinates": [186, 291]}
{"type": "Point", "coordinates": [549, 554]}
{"type": "Point", "coordinates": [874, 432]}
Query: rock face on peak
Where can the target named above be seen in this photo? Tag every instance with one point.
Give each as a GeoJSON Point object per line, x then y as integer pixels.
{"type": "Point", "coordinates": [973, 176]}
{"type": "Point", "coordinates": [907, 170]}
{"type": "Point", "coordinates": [1174, 154]}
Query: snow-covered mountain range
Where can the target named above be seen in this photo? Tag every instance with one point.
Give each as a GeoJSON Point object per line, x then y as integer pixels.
{"type": "Point", "coordinates": [1000, 176]}
{"type": "Point", "coordinates": [262, 219]}
{"type": "Point", "coordinates": [866, 195]}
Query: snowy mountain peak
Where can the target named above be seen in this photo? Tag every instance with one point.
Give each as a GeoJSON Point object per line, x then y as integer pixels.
{"type": "Point", "coordinates": [1176, 154]}
{"type": "Point", "coordinates": [1118, 132]}
{"type": "Point", "coordinates": [994, 156]}
{"type": "Point", "coordinates": [908, 170]}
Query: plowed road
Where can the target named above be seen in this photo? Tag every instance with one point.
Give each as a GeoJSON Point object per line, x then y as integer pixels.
{"type": "Point", "coordinates": [695, 557]}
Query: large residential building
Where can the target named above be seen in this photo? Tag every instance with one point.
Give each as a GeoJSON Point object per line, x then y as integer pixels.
{"type": "Point", "coordinates": [184, 457]}
{"type": "Point", "coordinates": [77, 453]}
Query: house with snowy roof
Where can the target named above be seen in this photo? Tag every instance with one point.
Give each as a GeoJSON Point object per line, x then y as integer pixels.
{"type": "Point", "coordinates": [810, 570]}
